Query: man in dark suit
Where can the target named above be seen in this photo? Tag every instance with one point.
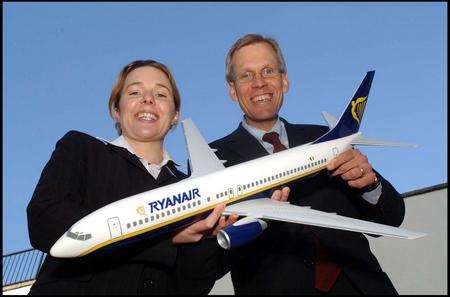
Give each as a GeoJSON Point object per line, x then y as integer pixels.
{"type": "Point", "coordinates": [291, 258]}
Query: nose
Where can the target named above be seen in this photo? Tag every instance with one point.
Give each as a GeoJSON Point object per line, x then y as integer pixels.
{"type": "Point", "coordinates": [148, 98]}
{"type": "Point", "coordinates": [258, 81]}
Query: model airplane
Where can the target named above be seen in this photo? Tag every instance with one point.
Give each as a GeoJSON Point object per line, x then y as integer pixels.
{"type": "Point", "coordinates": [210, 183]}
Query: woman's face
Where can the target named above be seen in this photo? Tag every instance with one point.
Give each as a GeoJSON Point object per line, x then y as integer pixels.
{"type": "Point", "coordinates": [146, 107]}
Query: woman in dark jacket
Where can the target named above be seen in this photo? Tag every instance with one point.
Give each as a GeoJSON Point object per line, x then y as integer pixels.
{"type": "Point", "coordinates": [85, 173]}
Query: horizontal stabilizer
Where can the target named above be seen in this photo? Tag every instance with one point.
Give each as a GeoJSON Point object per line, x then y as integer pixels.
{"type": "Point", "coordinates": [361, 140]}
{"type": "Point", "coordinates": [265, 208]}
{"type": "Point", "coordinates": [331, 120]}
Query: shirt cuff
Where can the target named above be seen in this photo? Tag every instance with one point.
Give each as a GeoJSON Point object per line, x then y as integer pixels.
{"type": "Point", "coordinates": [373, 196]}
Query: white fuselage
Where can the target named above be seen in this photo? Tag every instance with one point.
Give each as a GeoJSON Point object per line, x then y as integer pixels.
{"type": "Point", "coordinates": [167, 205]}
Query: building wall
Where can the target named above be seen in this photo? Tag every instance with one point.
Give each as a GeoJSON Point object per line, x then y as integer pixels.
{"type": "Point", "coordinates": [418, 266]}
{"type": "Point", "coordinates": [414, 266]}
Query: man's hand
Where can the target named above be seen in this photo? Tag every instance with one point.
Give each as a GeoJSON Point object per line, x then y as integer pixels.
{"type": "Point", "coordinates": [209, 226]}
{"type": "Point", "coordinates": [353, 167]}
{"type": "Point", "coordinates": [281, 194]}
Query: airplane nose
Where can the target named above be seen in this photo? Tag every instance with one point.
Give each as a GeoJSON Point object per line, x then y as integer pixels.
{"type": "Point", "coordinates": [63, 248]}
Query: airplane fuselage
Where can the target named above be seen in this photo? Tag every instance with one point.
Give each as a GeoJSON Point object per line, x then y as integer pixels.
{"type": "Point", "coordinates": [168, 205]}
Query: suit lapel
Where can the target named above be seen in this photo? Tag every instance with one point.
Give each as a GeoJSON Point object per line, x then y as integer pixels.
{"type": "Point", "coordinates": [245, 145]}
{"type": "Point", "coordinates": [124, 153]}
{"type": "Point", "coordinates": [296, 134]}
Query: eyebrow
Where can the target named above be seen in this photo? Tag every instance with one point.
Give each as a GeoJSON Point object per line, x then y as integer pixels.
{"type": "Point", "coordinates": [140, 83]}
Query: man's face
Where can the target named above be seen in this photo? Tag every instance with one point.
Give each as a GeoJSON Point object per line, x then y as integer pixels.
{"type": "Point", "coordinates": [261, 98]}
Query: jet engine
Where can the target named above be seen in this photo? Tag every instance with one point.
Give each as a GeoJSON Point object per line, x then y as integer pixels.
{"type": "Point", "coordinates": [240, 233]}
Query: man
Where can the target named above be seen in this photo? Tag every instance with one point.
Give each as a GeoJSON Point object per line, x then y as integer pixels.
{"type": "Point", "coordinates": [291, 258]}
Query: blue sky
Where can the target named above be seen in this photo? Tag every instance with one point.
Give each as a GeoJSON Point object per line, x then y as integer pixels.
{"type": "Point", "coordinates": [61, 59]}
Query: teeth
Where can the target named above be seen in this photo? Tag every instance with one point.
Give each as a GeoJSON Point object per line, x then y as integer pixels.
{"type": "Point", "coordinates": [262, 98]}
{"type": "Point", "coordinates": [147, 116]}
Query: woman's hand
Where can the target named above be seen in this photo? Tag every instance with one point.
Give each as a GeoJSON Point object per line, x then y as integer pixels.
{"type": "Point", "coordinates": [209, 226]}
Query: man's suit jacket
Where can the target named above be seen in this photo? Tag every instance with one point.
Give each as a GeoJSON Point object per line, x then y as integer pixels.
{"type": "Point", "coordinates": [82, 175]}
{"type": "Point", "coordinates": [281, 260]}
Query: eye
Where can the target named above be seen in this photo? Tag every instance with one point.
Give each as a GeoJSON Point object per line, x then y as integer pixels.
{"type": "Point", "coordinates": [268, 71]}
{"type": "Point", "coordinates": [245, 76]}
{"type": "Point", "coordinates": [160, 95]}
{"type": "Point", "coordinates": [134, 93]}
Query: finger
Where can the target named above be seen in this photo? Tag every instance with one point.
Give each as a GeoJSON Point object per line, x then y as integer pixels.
{"type": "Point", "coordinates": [285, 193]}
{"type": "Point", "coordinates": [353, 174]}
{"type": "Point", "coordinates": [340, 159]}
{"type": "Point", "coordinates": [211, 220]}
{"type": "Point", "coordinates": [224, 222]}
{"type": "Point", "coordinates": [276, 195]}
{"type": "Point", "coordinates": [362, 182]}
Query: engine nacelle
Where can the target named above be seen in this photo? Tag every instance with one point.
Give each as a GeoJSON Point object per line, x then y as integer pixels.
{"type": "Point", "coordinates": [240, 233]}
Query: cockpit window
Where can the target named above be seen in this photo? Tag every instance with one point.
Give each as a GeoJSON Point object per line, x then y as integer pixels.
{"type": "Point", "coordinates": [78, 235]}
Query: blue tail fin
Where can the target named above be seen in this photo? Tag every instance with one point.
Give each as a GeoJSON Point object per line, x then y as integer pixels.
{"type": "Point", "coordinates": [351, 118]}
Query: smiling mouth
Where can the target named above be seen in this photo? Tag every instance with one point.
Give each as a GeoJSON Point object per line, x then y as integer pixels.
{"type": "Point", "coordinates": [262, 98]}
{"type": "Point", "coordinates": [147, 116]}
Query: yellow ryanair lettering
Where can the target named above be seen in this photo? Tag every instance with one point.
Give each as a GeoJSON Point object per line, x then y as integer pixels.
{"type": "Point", "coordinates": [358, 108]}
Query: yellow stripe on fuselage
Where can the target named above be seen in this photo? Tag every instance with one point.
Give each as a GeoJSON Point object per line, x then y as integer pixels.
{"type": "Point", "coordinates": [174, 220]}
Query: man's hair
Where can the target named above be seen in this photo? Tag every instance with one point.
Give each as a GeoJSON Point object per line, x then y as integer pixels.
{"type": "Point", "coordinates": [117, 88]}
{"type": "Point", "coordinates": [252, 39]}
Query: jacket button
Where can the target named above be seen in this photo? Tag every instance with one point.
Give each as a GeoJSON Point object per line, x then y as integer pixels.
{"type": "Point", "coordinates": [149, 283]}
{"type": "Point", "coordinates": [308, 263]}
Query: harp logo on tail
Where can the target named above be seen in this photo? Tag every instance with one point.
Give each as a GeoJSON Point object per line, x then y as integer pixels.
{"type": "Point", "coordinates": [358, 108]}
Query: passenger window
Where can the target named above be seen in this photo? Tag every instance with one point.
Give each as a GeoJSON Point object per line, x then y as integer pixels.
{"type": "Point", "coordinates": [128, 225]}
{"type": "Point", "coordinates": [140, 222]}
{"type": "Point", "coordinates": [198, 202]}
{"type": "Point", "coordinates": [81, 237]}
{"type": "Point", "coordinates": [173, 210]}
{"type": "Point", "coordinates": [134, 224]}
{"type": "Point", "coordinates": [152, 218]}
{"type": "Point", "coordinates": [162, 215]}
{"type": "Point", "coordinates": [184, 207]}
{"type": "Point", "coordinates": [146, 220]}
{"type": "Point", "coordinates": [157, 216]}
{"type": "Point", "coordinates": [179, 208]}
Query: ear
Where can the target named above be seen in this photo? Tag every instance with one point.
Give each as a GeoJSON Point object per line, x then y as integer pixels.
{"type": "Point", "coordinates": [115, 113]}
{"type": "Point", "coordinates": [176, 117]}
{"type": "Point", "coordinates": [232, 91]}
{"type": "Point", "coordinates": [285, 82]}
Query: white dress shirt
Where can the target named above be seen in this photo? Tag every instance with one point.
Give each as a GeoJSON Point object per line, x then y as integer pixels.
{"type": "Point", "coordinates": [153, 169]}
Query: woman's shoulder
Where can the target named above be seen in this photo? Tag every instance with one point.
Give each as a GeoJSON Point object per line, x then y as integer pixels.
{"type": "Point", "coordinates": [80, 140]}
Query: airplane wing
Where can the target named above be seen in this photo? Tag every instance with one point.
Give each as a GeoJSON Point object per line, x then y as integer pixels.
{"type": "Point", "coordinates": [265, 208]}
{"type": "Point", "coordinates": [202, 158]}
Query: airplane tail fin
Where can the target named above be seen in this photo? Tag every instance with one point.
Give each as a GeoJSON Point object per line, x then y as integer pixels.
{"type": "Point", "coordinates": [350, 120]}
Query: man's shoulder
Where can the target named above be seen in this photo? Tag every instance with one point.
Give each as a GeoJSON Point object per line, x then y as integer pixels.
{"type": "Point", "coordinates": [225, 139]}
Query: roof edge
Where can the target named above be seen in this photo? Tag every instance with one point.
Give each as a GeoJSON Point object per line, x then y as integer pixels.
{"type": "Point", "coordinates": [424, 190]}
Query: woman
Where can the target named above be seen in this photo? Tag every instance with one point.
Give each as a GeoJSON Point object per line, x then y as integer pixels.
{"type": "Point", "coordinates": [85, 173]}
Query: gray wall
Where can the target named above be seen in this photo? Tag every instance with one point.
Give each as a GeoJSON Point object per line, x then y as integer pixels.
{"type": "Point", "coordinates": [415, 266]}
